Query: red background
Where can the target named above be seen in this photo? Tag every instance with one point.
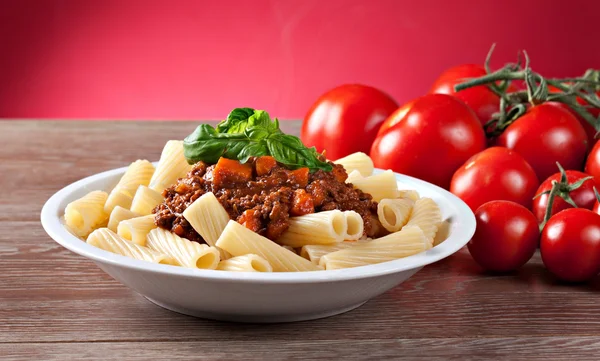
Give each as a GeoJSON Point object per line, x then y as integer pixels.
{"type": "Point", "coordinates": [198, 59]}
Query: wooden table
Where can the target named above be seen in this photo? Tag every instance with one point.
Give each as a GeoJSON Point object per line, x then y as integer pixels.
{"type": "Point", "coordinates": [56, 305]}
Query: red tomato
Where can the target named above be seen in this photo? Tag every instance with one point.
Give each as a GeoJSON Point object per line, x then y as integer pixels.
{"type": "Point", "coordinates": [592, 164]}
{"type": "Point", "coordinates": [583, 196]}
{"type": "Point", "coordinates": [506, 236]}
{"type": "Point", "coordinates": [395, 117]}
{"type": "Point", "coordinates": [589, 129]}
{"type": "Point", "coordinates": [544, 135]}
{"type": "Point", "coordinates": [596, 208]}
{"type": "Point", "coordinates": [570, 244]}
{"type": "Point", "coordinates": [495, 174]}
{"type": "Point", "coordinates": [479, 98]}
{"type": "Point", "coordinates": [346, 120]}
{"type": "Point", "coordinates": [436, 136]}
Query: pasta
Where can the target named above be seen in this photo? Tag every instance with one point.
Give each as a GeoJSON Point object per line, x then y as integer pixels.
{"type": "Point", "coordinates": [144, 200]}
{"type": "Point", "coordinates": [427, 215]}
{"type": "Point", "coordinates": [379, 186]}
{"type": "Point", "coordinates": [354, 226]}
{"type": "Point", "coordinates": [118, 215]}
{"type": "Point", "coordinates": [408, 193]}
{"type": "Point", "coordinates": [315, 228]}
{"type": "Point", "coordinates": [107, 240]}
{"type": "Point", "coordinates": [86, 213]}
{"type": "Point", "coordinates": [314, 252]}
{"type": "Point", "coordinates": [171, 166]}
{"type": "Point", "coordinates": [208, 217]}
{"type": "Point", "coordinates": [185, 252]}
{"type": "Point", "coordinates": [245, 263]}
{"type": "Point", "coordinates": [260, 195]}
{"type": "Point", "coordinates": [409, 241]}
{"type": "Point", "coordinates": [442, 233]}
{"type": "Point", "coordinates": [138, 173]}
{"type": "Point", "coordinates": [357, 161]}
{"type": "Point", "coordinates": [136, 229]}
{"type": "Point", "coordinates": [394, 213]}
{"type": "Point", "coordinates": [239, 240]}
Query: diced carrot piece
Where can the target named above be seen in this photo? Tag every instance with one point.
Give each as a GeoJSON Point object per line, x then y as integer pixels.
{"type": "Point", "coordinates": [300, 177]}
{"type": "Point", "coordinates": [265, 164]}
{"type": "Point", "coordinates": [228, 171]}
{"type": "Point", "coordinates": [302, 203]}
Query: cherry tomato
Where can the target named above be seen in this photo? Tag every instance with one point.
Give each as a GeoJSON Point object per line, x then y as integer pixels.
{"type": "Point", "coordinates": [546, 134]}
{"type": "Point", "coordinates": [596, 207]}
{"type": "Point", "coordinates": [479, 98]}
{"type": "Point", "coordinates": [495, 174]}
{"type": "Point", "coordinates": [592, 164]}
{"type": "Point", "coordinates": [570, 244]}
{"type": "Point", "coordinates": [435, 136]}
{"type": "Point", "coordinates": [346, 120]}
{"type": "Point", "coordinates": [589, 129]}
{"type": "Point", "coordinates": [583, 196]}
{"type": "Point", "coordinates": [506, 236]}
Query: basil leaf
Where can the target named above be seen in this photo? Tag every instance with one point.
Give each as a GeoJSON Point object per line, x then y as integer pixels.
{"type": "Point", "coordinates": [289, 150]}
{"type": "Point", "coordinates": [236, 121]}
{"type": "Point", "coordinates": [250, 133]}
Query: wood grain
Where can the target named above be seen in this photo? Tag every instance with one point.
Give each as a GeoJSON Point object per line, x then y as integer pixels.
{"type": "Point", "coordinates": [56, 305]}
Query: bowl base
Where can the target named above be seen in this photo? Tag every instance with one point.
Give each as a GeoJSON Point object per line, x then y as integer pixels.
{"type": "Point", "coordinates": [256, 318]}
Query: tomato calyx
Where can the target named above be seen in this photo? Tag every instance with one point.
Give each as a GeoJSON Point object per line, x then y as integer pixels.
{"type": "Point", "coordinates": [514, 104]}
{"type": "Point", "coordinates": [562, 189]}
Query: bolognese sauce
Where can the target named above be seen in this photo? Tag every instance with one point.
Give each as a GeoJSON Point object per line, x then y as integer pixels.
{"type": "Point", "coordinates": [262, 195]}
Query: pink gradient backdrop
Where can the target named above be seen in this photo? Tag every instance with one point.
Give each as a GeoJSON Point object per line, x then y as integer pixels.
{"type": "Point", "coordinates": [198, 59]}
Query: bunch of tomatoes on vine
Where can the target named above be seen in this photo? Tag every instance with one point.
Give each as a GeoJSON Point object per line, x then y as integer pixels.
{"type": "Point", "coordinates": [518, 148]}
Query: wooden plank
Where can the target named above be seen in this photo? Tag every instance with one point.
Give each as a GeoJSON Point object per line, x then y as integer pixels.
{"type": "Point", "coordinates": [460, 349]}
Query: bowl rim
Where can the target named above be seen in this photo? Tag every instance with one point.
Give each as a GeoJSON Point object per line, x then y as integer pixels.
{"type": "Point", "coordinates": [465, 228]}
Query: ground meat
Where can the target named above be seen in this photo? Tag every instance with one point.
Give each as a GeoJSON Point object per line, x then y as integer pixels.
{"type": "Point", "coordinates": [263, 203]}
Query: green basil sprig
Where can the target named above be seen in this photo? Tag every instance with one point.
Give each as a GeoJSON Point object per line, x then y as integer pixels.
{"type": "Point", "coordinates": [250, 133]}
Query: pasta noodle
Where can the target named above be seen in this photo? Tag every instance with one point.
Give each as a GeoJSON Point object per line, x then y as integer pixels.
{"type": "Point", "coordinates": [208, 217]}
{"type": "Point", "coordinates": [245, 263]}
{"type": "Point", "coordinates": [442, 233]}
{"type": "Point", "coordinates": [86, 213]}
{"type": "Point", "coordinates": [107, 240]}
{"type": "Point", "coordinates": [145, 200]}
{"type": "Point", "coordinates": [239, 240]}
{"type": "Point", "coordinates": [354, 175]}
{"type": "Point", "coordinates": [357, 161]}
{"type": "Point", "coordinates": [426, 215]}
{"type": "Point", "coordinates": [380, 186]}
{"type": "Point", "coordinates": [409, 241]}
{"type": "Point", "coordinates": [118, 215]}
{"type": "Point", "coordinates": [409, 193]}
{"type": "Point", "coordinates": [354, 226]}
{"type": "Point", "coordinates": [314, 252]}
{"type": "Point", "coordinates": [394, 213]}
{"type": "Point", "coordinates": [171, 166]}
{"type": "Point", "coordinates": [136, 229]}
{"type": "Point", "coordinates": [315, 228]}
{"type": "Point", "coordinates": [185, 252]}
{"type": "Point", "coordinates": [138, 173]}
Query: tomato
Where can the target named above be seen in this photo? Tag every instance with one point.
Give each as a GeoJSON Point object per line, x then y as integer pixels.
{"type": "Point", "coordinates": [570, 244]}
{"type": "Point", "coordinates": [395, 117]}
{"type": "Point", "coordinates": [583, 196]}
{"type": "Point", "coordinates": [435, 136]}
{"type": "Point", "coordinates": [592, 164]}
{"type": "Point", "coordinates": [506, 236]}
{"type": "Point", "coordinates": [479, 98]}
{"type": "Point", "coordinates": [346, 120]}
{"type": "Point", "coordinates": [589, 129]}
{"type": "Point", "coordinates": [544, 135]}
{"type": "Point", "coordinates": [596, 207]}
{"type": "Point", "coordinates": [495, 174]}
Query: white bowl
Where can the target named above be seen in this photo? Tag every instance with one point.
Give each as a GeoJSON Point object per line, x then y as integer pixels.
{"type": "Point", "coordinates": [258, 297]}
